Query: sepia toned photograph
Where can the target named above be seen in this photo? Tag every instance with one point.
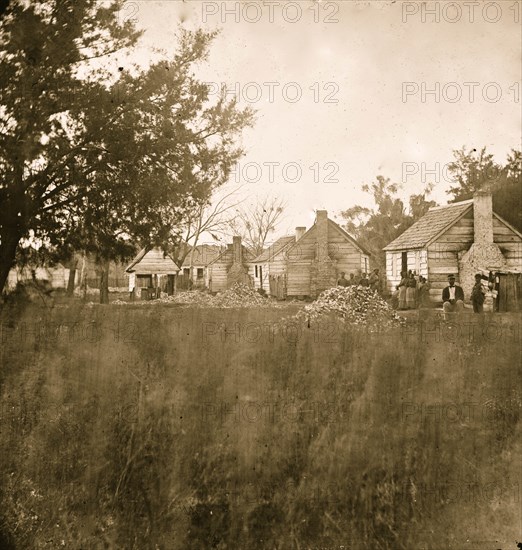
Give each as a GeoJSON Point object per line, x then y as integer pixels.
{"type": "Point", "coordinates": [260, 275]}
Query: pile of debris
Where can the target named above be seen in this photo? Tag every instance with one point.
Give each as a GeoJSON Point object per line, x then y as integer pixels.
{"type": "Point", "coordinates": [355, 305]}
{"type": "Point", "coordinates": [239, 295]}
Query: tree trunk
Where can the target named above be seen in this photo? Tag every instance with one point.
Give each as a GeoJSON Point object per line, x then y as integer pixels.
{"type": "Point", "coordinates": [83, 279]}
{"type": "Point", "coordinates": [72, 277]}
{"type": "Point", "coordinates": [71, 281]}
{"type": "Point", "coordinates": [7, 256]}
{"type": "Point", "coordinates": [104, 282]}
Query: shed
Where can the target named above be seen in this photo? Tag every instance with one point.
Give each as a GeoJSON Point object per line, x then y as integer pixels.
{"type": "Point", "coordinates": [460, 238]}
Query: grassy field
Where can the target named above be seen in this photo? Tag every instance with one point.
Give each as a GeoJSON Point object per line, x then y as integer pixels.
{"type": "Point", "coordinates": [139, 427]}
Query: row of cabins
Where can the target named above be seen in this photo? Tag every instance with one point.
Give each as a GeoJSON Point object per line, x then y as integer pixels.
{"type": "Point", "coordinates": [461, 238]}
{"type": "Point", "coordinates": [300, 265]}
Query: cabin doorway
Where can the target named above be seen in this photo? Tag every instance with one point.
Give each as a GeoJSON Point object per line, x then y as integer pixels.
{"type": "Point", "coordinates": [404, 262]}
{"type": "Point", "coordinates": [170, 284]}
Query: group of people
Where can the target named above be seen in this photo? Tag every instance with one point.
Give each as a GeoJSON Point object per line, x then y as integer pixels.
{"type": "Point", "coordinates": [373, 281]}
{"type": "Point", "coordinates": [413, 291]}
{"type": "Point", "coordinates": [453, 295]}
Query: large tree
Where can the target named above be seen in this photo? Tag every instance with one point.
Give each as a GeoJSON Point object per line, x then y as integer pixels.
{"type": "Point", "coordinates": [376, 226]}
{"type": "Point", "coordinates": [91, 156]}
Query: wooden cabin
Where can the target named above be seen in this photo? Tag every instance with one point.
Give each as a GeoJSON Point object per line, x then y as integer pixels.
{"type": "Point", "coordinates": [461, 238]}
{"type": "Point", "coordinates": [152, 270]}
{"type": "Point", "coordinates": [230, 267]}
{"type": "Point", "coordinates": [268, 270]}
{"type": "Point", "coordinates": [310, 261]}
{"type": "Point", "coordinates": [197, 261]}
{"type": "Point", "coordinates": [316, 260]}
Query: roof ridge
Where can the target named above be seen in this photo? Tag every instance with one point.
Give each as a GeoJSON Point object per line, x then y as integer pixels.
{"type": "Point", "coordinates": [450, 205]}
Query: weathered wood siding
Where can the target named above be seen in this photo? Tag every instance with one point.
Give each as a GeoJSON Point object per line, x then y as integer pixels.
{"type": "Point", "coordinates": [443, 254]}
{"type": "Point", "coordinates": [299, 259]}
{"type": "Point", "coordinates": [298, 281]}
{"type": "Point", "coordinates": [218, 276]}
{"type": "Point", "coordinates": [217, 279]}
{"type": "Point", "coordinates": [417, 260]}
{"type": "Point", "coordinates": [155, 263]}
{"type": "Point", "coordinates": [509, 243]}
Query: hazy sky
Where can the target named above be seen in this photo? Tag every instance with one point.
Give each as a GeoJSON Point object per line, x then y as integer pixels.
{"type": "Point", "coordinates": [330, 83]}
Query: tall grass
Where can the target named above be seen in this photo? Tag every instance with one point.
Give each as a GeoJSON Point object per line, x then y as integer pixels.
{"type": "Point", "coordinates": [146, 428]}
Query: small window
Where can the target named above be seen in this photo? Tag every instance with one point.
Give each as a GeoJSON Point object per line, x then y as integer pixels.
{"type": "Point", "coordinates": [186, 271]}
{"type": "Point", "coordinates": [200, 273]}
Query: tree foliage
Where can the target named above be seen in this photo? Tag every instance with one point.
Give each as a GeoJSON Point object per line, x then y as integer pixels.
{"type": "Point", "coordinates": [91, 154]}
{"type": "Point", "coordinates": [473, 170]}
{"type": "Point", "coordinates": [377, 226]}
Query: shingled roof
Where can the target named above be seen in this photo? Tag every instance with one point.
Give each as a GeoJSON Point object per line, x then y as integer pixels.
{"type": "Point", "coordinates": [437, 219]}
{"type": "Point", "coordinates": [139, 256]}
{"type": "Point", "coordinates": [275, 249]}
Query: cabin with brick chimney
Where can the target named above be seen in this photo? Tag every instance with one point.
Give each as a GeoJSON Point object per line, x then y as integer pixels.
{"type": "Point", "coordinates": [305, 264]}
{"type": "Point", "coordinates": [463, 238]}
{"type": "Point", "coordinates": [230, 267]}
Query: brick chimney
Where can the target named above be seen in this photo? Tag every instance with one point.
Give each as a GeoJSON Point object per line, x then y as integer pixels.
{"type": "Point", "coordinates": [299, 232]}
{"type": "Point", "coordinates": [237, 250]}
{"type": "Point", "coordinates": [483, 217]}
{"type": "Point", "coordinates": [321, 232]}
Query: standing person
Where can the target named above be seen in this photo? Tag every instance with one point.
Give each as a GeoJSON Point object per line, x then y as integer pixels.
{"type": "Point", "coordinates": [477, 295]}
{"type": "Point", "coordinates": [375, 281]}
{"type": "Point", "coordinates": [411, 291]}
{"type": "Point", "coordinates": [364, 280]}
{"type": "Point", "coordinates": [343, 281]}
{"type": "Point", "coordinates": [423, 292]}
{"type": "Point", "coordinates": [351, 280]}
{"type": "Point", "coordinates": [452, 296]}
{"type": "Point", "coordinates": [401, 287]}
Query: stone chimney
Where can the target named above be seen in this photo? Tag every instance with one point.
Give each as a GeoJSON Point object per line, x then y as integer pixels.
{"type": "Point", "coordinates": [321, 233]}
{"type": "Point", "coordinates": [484, 253]}
{"type": "Point", "coordinates": [299, 232]}
{"type": "Point", "coordinates": [237, 272]}
{"type": "Point", "coordinates": [323, 268]}
{"type": "Point", "coordinates": [483, 217]}
{"type": "Point", "coordinates": [237, 250]}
